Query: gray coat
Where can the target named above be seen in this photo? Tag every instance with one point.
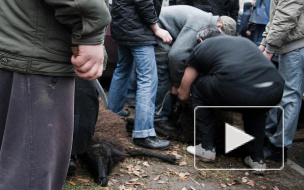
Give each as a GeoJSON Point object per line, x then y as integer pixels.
{"type": "Point", "coordinates": [183, 23]}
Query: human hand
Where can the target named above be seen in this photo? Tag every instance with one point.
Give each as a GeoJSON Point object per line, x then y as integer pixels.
{"type": "Point", "coordinates": [183, 94]}
{"type": "Point", "coordinates": [248, 33]}
{"type": "Point", "coordinates": [268, 55]}
{"type": "Point", "coordinates": [164, 35]}
{"type": "Point", "coordinates": [262, 48]}
{"type": "Point", "coordinates": [174, 90]}
{"type": "Point", "coordinates": [88, 63]}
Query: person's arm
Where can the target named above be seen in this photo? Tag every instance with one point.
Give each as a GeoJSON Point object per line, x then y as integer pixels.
{"type": "Point", "coordinates": [161, 33]}
{"type": "Point", "coordinates": [189, 77]}
{"type": "Point", "coordinates": [147, 13]}
{"type": "Point", "coordinates": [284, 17]}
{"type": "Point", "coordinates": [234, 12]}
{"type": "Point", "coordinates": [87, 20]}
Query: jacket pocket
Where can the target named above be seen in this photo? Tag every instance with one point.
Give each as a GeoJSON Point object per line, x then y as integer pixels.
{"type": "Point", "coordinates": [58, 37]}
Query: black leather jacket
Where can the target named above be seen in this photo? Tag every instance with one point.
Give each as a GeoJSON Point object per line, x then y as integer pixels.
{"type": "Point", "coordinates": [131, 20]}
{"type": "Point", "coordinates": [216, 7]}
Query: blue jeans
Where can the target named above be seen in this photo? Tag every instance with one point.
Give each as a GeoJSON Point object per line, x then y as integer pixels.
{"type": "Point", "coordinates": [144, 58]}
{"type": "Point", "coordinates": [163, 102]}
{"type": "Point", "coordinates": [256, 36]}
{"type": "Point", "coordinates": [291, 67]}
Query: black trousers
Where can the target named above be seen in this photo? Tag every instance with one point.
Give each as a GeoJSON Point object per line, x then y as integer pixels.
{"type": "Point", "coordinates": [209, 91]}
{"type": "Point", "coordinates": [85, 115]}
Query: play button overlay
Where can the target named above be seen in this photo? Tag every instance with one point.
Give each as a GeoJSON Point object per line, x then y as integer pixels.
{"type": "Point", "coordinates": [235, 138]}
{"type": "Point", "coordinates": [229, 138]}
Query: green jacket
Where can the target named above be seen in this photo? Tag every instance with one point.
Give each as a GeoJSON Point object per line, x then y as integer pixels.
{"type": "Point", "coordinates": [36, 36]}
{"type": "Point", "coordinates": [285, 29]}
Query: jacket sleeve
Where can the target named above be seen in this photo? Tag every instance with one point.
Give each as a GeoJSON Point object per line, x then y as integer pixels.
{"type": "Point", "coordinates": [184, 2]}
{"type": "Point", "coordinates": [234, 12]}
{"type": "Point", "coordinates": [284, 17]}
{"type": "Point", "coordinates": [87, 19]}
{"type": "Point", "coordinates": [146, 11]}
{"type": "Point", "coordinates": [179, 53]}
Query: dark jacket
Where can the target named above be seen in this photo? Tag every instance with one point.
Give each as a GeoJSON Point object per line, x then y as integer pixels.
{"type": "Point", "coordinates": [243, 27]}
{"type": "Point", "coordinates": [36, 36]}
{"type": "Point", "coordinates": [131, 20]}
{"type": "Point", "coordinates": [216, 7]}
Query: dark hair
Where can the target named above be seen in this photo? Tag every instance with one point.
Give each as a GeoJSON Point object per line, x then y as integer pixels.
{"type": "Point", "coordinates": [208, 32]}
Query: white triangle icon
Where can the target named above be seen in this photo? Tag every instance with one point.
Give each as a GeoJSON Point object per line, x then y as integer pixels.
{"type": "Point", "coordinates": [235, 138]}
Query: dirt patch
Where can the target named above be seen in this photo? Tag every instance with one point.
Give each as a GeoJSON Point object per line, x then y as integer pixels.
{"type": "Point", "coordinates": [150, 173]}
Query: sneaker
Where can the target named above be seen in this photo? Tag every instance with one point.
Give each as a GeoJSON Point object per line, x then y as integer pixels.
{"type": "Point", "coordinates": [152, 143]}
{"type": "Point", "coordinates": [256, 165]}
{"type": "Point", "coordinates": [203, 154]}
{"type": "Point", "coordinates": [275, 153]}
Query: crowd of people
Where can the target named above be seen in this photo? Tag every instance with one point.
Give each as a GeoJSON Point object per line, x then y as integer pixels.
{"type": "Point", "coordinates": [188, 50]}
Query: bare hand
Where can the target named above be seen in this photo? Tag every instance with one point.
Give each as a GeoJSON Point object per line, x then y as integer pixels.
{"type": "Point", "coordinates": [262, 48]}
{"type": "Point", "coordinates": [268, 55]}
{"type": "Point", "coordinates": [164, 35]}
{"type": "Point", "coordinates": [183, 94]}
{"type": "Point", "coordinates": [89, 62]}
{"type": "Point", "coordinates": [174, 90]}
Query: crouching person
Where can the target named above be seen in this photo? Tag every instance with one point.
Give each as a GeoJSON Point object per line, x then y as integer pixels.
{"type": "Point", "coordinates": [230, 71]}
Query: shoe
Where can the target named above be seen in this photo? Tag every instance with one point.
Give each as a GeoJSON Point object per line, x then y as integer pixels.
{"type": "Point", "coordinates": [256, 165]}
{"type": "Point", "coordinates": [164, 125]}
{"type": "Point", "coordinates": [275, 153]}
{"type": "Point", "coordinates": [124, 113]}
{"type": "Point", "coordinates": [72, 166]}
{"type": "Point", "coordinates": [203, 154]}
{"type": "Point", "coordinates": [131, 102]}
{"type": "Point", "coordinates": [152, 143]}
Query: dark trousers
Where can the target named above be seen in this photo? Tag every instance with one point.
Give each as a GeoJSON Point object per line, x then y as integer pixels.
{"type": "Point", "coordinates": [209, 91]}
{"type": "Point", "coordinates": [36, 128]}
{"type": "Point", "coordinates": [85, 115]}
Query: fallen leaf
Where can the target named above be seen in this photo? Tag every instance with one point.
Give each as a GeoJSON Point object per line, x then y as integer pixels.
{"type": "Point", "coordinates": [161, 182]}
{"type": "Point", "coordinates": [223, 185]}
{"type": "Point", "coordinates": [156, 178]}
{"type": "Point", "coordinates": [246, 173]}
{"type": "Point", "coordinates": [83, 180]}
{"type": "Point", "coordinates": [203, 173]}
{"type": "Point", "coordinates": [146, 164]}
{"type": "Point", "coordinates": [181, 175]}
{"type": "Point", "coordinates": [263, 187]}
{"type": "Point", "coordinates": [182, 164]}
{"type": "Point", "coordinates": [134, 179]}
{"type": "Point", "coordinates": [183, 178]}
{"type": "Point", "coordinates": [275, 188]}
{"type": "Point", "coordinates": [137, 167]}
{"type": "Point", "coordinates": [105, 188]}
{"type": "Point", "coordinates": [244, 179]}
{"type": "Point", "coordinates": [187, 173]}
{"type": "Point", "coordinates": [184, 188]}
{"type": "Point", "coordinates": [192, 188]}
{"type": "Point", "coordinates": [251, 183]}
{"type": "Point", "coordinates": [122, 187]}
{"type": "Point", "coordinates": [71, 182]}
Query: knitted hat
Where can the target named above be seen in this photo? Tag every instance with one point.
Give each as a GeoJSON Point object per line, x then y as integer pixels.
{"type": "Point", "coordinates": [229, 25]}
